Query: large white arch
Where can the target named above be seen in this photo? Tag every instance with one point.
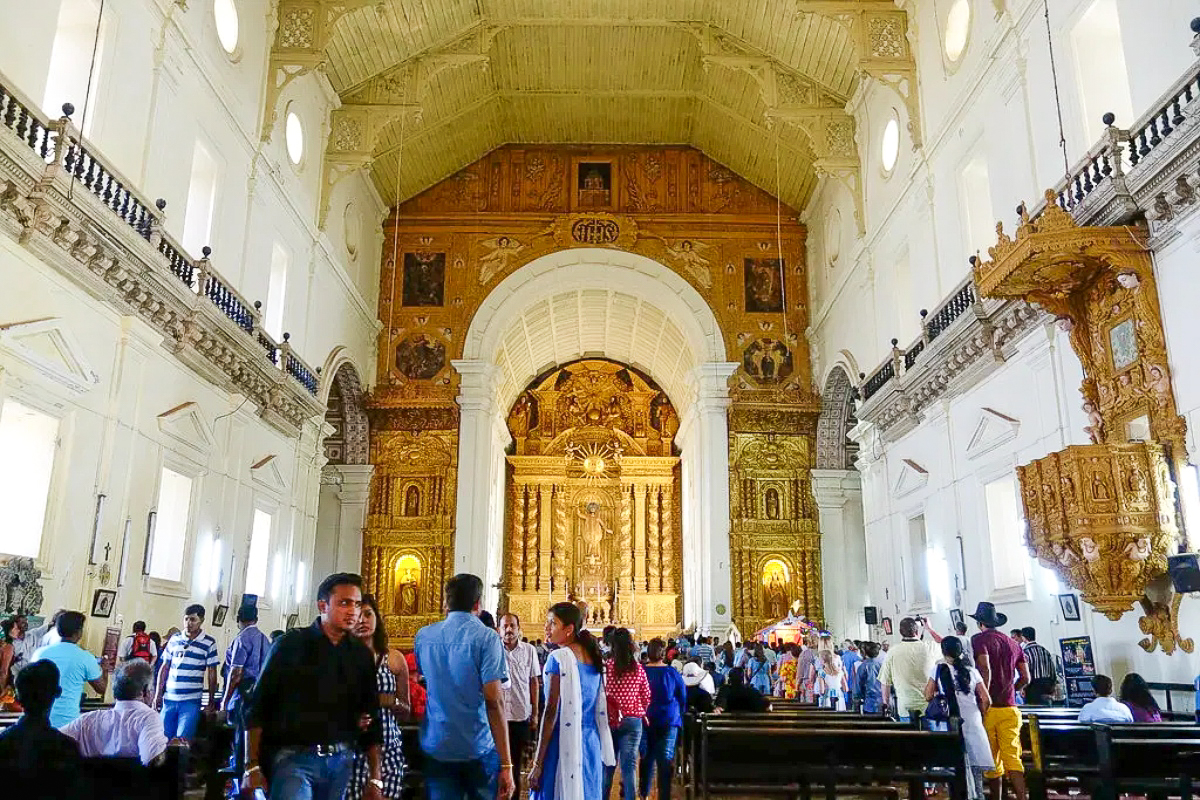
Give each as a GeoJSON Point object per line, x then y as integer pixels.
{"type": "Point", "coordinates": [627, 307]}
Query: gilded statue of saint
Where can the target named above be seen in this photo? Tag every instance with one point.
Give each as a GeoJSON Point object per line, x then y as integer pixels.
{"type": "Point", "coordinates": [592, 530]}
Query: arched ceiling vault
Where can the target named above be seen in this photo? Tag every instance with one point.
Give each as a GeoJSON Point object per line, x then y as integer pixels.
{"type": "Point", "coordinates": [430, 86]}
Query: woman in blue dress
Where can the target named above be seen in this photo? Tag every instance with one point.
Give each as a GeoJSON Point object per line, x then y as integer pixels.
{"type": "Point", "coordinates": [572, 751]}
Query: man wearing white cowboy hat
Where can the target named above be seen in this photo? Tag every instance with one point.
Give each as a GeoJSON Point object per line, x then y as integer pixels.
{"type": "Point", "coordinates": [1001, 663]}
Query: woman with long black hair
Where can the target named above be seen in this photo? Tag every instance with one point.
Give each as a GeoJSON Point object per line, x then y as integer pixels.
{"type": "Point", "coordinates": [575, 741]}
{"type": "Point", "coordinates": [967, 699]}
{"type": "Point", "coordinates": [1136, 694]}
{"type": "Point", "coordinates": [628, 700]}
{"type": "Point", "coordinates": [391, 681]}
{"type": "Point", "coordinates": [667, 706]}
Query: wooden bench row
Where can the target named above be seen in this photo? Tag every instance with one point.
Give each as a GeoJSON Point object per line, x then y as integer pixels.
{"type": "Point", "coordinates": [798, 753]}
{"type": "Point", "coordinates": [1104, 761]}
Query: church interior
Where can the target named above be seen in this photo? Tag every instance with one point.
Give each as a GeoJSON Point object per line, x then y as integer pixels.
{"type": "Point", "coordinates": [705, 313]}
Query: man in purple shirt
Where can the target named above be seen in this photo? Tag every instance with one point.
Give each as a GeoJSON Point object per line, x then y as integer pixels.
{"type": "Point", "coordinates": [1001, 664]}
{"type": "Point", "coordinates": [246, 655]}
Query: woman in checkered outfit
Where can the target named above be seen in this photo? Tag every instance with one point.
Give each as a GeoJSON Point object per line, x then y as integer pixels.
{"type": "Point", "coordinates": [391, 680]}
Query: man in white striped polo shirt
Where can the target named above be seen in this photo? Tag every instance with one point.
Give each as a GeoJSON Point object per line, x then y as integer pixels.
{"type": "Point", "coordinates": [187, 657]}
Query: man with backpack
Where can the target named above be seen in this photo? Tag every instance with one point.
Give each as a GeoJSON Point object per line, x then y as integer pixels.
{"type": "Point", "coordinates": [139, 645]}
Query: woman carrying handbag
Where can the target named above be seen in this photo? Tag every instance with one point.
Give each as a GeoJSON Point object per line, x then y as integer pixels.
{"type": "Point", "coordinates": [955, 690]}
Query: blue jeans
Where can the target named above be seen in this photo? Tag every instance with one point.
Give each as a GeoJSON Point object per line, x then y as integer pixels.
{"type": "Point", "coordinates": [180, 718]}
{"type": "Point", "coordinates": [301, 774]}
{"type": "Point", "coordinates": [477, 779]}
{"type": "Point", "coordinates": [627, 737]}
{"type": "Point", "coordinates": [660, 752]}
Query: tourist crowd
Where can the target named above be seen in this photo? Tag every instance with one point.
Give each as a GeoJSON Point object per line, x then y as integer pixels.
{"type": "Point", "coordinates": [318, 710]}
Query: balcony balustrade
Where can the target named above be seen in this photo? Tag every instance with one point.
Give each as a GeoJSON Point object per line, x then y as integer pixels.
{"type": "Point", "coordinates": [60, 199]}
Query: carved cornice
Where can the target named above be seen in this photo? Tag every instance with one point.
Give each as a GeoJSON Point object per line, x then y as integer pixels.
{"type": "Point", "coordinates": [974, 345]}
{"type": "Point", "coordinates": [88, 243]}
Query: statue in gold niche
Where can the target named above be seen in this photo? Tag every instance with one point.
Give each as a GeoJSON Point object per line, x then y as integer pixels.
{"type": "Point", "coordinates": [592, 531]}
{"type": "Point", "coordinates": [772, 503]}
{"type": "Point", "coordinates": [408, 586]}
{"type": "Point", "coordinates": [776, 597]}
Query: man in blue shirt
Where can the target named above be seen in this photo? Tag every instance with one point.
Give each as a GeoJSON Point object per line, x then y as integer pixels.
{"type": "Point", "coordinates": [464, 733]}
{"type": "Point", "coordinates": [75, 666]}
{"type": "Point", "coordinates": [245, 658]}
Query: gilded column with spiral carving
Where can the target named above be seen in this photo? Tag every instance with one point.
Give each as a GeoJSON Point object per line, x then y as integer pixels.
{"type": "Point", "coordinates": [668, 540]}
{"type": "Point", "coordinates": [516, 580]}
{"type": "Point", "coordinates": [560, 540]}
{"type": "Point", "coordinates": [654, 540]}
{"type": "Point", "coordinates": [531, 539]}
{"type": "Point", "coordinates": [625, 543]}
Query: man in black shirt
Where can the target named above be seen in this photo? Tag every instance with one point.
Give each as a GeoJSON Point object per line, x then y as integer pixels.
{"type": "Point", "coordinates": [315, 702]}
{"type": "Point", "coordinates": [32, 753]}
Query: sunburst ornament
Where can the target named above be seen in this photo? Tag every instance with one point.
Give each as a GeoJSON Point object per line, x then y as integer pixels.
{"type": "Point", "coordinates": [593, 459]}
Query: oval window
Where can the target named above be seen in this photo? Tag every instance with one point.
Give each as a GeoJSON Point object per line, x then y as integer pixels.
{"type": "Point", "coordinates": [958, 27]}
{"type": "Point", "coordinates": [294, 138]}
{"type": "Point", "coordinates": [225, 13]}
{"type": "Point", "coordinates": [889, 148]}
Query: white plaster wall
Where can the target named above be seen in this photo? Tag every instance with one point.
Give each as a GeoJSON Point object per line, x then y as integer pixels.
{"type": "Point", "coordinates": [998, 104]}
{"type": "Point", "coordinates": [112, 444]}
{"type": "Point", "coordinates": [165, 81]}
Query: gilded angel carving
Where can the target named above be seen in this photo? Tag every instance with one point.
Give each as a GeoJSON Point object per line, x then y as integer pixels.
{"type": "Point", "coordinates": [689, 255]}
{"type": "Point", "coordinates": [501, 250]}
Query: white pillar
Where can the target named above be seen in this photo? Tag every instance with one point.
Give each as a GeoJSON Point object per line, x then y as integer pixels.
{"type": "Point", "coordinates": [838, 493]}
{"type": "Point", "coordinates": [355, 489]}
{"type": "Point", "coordinates": [704, 441]}
{"type": "Point", "coordinates": [479, 460]}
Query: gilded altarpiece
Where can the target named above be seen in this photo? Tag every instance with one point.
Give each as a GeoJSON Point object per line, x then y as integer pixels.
{"type": "Point", "coordinates": [447, 248]}
{"type": "Point", "coordinates": [593, 494]}
{"type": "Point", "coordinates": [408, 545]}
{"type": "Point", "coordinates": [774, 540]}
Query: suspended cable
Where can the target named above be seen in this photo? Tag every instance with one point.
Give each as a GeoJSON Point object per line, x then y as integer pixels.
{"type": "Point", "coordinates": [396, 230]}
{"type": "Point", "coordinates": [1062, 134]}
{"type": "Point", "coordinates": [779, 238]}
{"type": "Point", "coordinates": [87, 92]}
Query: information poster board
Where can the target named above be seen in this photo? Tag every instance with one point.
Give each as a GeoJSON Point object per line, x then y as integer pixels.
{"type": "Point", "coordinates": [1079, 667]}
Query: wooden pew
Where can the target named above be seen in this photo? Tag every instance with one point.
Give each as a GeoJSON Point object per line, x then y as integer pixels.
{"type": "Point", "coordinates": [1067, 755]}
{"type": "Point", "coordinates": [1154, 760]}
{"type": "Point", "coordinates": [687, 752]}
{"type": "Point", "coordinates": [792, 760]}
{"type": "Point", "coordinates": [1058, 754]}
{"type": "Point", "coordinates": [128, 779]}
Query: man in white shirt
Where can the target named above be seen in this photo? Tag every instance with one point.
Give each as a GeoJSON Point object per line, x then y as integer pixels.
{"type": "Point", "coordinates": [26, 641]}
{"type": "Point", "coordinates": [131, 728]}
{"type": "Point", "coordinates": [907, 668]}
{"type": "Point", "coordinates": [1104, 709]}
{"type": "Point", "coordinates": [520, 694]}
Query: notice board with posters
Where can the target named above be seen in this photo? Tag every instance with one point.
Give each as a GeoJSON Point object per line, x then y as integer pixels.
{"type": "Point", "coordinates": [1079, 667]}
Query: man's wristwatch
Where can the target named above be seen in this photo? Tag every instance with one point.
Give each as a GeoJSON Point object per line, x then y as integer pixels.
{"type": "Point", "coordinates": [376, 782]}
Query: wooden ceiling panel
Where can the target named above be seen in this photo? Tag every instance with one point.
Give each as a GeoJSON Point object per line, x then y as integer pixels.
{"type": "Point", "coordinates": [599, 118]}
{"type": "Point", "coordinates": [373, 38]}
{"type": "Point", "coordinates": [589, 58]}
{"type": "Point", "coordinates": [590, 71]}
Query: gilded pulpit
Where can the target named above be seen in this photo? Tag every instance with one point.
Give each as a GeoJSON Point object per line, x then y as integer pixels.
{"type": "Point", "coordinates": [593, 498]}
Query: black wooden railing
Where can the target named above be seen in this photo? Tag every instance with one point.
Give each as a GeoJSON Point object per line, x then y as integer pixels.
{"type": "Point", "coordinates": [932, 326]}
{"type": "Point", "coordinates": [64, 151]}
{"type": "Point", "coordinates": [1117, 155]}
